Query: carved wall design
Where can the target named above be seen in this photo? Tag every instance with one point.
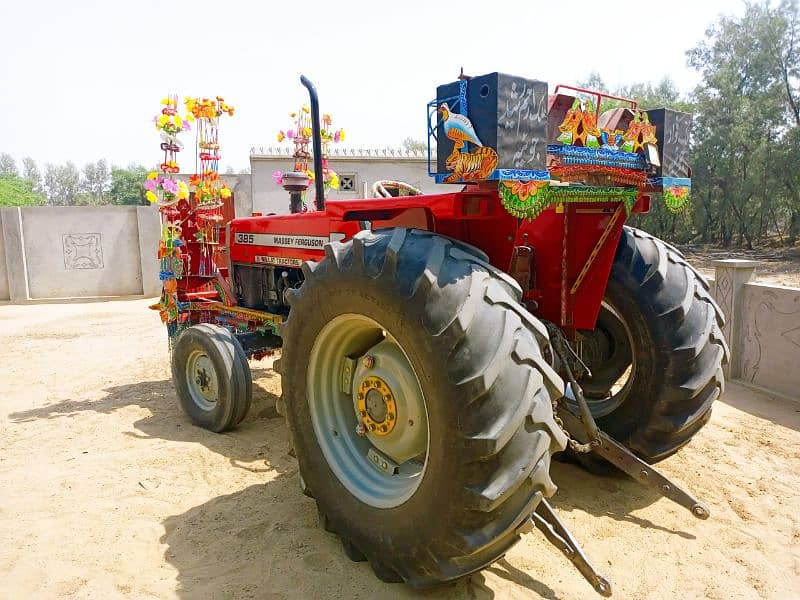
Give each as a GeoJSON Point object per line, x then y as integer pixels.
{"type": "Point", "coordinates": [82, 251]}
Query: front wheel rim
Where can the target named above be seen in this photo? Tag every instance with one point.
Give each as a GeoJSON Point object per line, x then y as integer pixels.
{"type": "Point", "coordinates": [381, 468]}
{"type": "Point", "coordinates": [202, 380]}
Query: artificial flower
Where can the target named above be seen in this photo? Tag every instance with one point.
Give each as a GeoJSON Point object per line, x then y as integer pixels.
{"type": "Point", "coordinates": [277, 177]}
{"type": "Point", "coordinates": [183, 190]}
{"type": "Point", "coordinates": [290, 134]}
{"type": "Point", "coordinates": [341, 135]}
{"type": "Point", "coordinates": [281, 136]}
{"type": "Point", "coordinates": [169, 186]}
{"type": "Point", "coordinates": [306, 132]}
{"type": "Point", "coordinates": [225, 192]}
{"type": "Point", "coordinates": [152, 175]}
{"type": "Point", "coordinates": [151, 196]}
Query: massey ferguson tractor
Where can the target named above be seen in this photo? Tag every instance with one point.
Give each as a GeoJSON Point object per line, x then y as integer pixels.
{"type": "Point", "coordinates": [436, 351]}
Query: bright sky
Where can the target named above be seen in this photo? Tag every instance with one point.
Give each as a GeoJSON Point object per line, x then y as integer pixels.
{"type": "Point", "coordinates": [81, 80]}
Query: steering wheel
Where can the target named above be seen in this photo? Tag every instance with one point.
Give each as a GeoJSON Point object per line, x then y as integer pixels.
{"type": "Point", "coordinates": [380, 189]}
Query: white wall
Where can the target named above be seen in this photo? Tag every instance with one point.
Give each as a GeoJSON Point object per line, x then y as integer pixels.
{"type": "Point", "coordinates": [4, 291]}
{"type": "Point", "coordinates": [269, 197]}
{"type": "Point", "coordinates": [82, 251]}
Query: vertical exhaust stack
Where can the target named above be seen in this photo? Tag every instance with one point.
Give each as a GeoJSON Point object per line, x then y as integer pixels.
{"type": "Point", "coordinates": [317, 141]}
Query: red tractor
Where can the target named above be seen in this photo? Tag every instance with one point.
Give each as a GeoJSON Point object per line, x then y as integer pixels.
{"type": "Point", "coordinates": [437, 350]}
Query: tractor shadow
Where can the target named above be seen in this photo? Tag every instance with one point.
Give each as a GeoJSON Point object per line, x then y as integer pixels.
{"type": "Point", "coordinates": [243, 446]}
{"type": "Point", "coordinates": [614, 495]}
{"type": "Point", "coordinates": [265, 541]}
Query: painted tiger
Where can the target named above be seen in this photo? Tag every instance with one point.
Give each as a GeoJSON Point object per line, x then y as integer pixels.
{"type": "Point", "coordinates": [478, 163]}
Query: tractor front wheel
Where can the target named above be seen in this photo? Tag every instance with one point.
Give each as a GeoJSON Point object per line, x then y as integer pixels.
{"type": "Point", "coordinates": [418, 403]}
{"type": "Point", "coordinates": [211, 376]}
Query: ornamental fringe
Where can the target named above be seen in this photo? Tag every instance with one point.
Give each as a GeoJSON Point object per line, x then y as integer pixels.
{"type": "Point", "coordinates": [525, 205]}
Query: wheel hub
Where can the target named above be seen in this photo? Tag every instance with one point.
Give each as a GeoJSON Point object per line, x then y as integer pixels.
{"type": "Point", "coordinates": [376, 405]}
{"type": "Point", "coordinates": [201, 377]}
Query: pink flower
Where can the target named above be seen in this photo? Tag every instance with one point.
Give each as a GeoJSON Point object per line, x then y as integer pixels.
{"type": "Point", "coordinates": [277, 177]}
{"type": "Point", "coordinates": [170, 186]}
{"type": "Point", "coordinates": [337, 136]}
{"type": "Point", "coordinates": [186, 125]}
{"type": "Point", "coordinates": [290, 134]}
{"type": "Point", "coordinates": [150, 185]}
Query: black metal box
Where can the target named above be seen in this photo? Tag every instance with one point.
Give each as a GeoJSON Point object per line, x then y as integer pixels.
{"type": "Point", "coordinates": [507, 114]}
{"type": "Point", "coordinates": [672, 133]}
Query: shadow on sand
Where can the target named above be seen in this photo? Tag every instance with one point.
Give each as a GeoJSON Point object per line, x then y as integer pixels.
{"type": "Point", "coordinates": [264, 541]}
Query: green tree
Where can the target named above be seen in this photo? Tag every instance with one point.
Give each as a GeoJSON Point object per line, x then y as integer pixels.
{"type": "Point", "coordinates": [61, 183]}
{"type": "Point", "coordinates": [8, 165]}
{"type": "Point", "coordinates": [16, 191]}
{"type": "Point", "coordinates": [412, 145]}
{"type": "Point", "coordinates": [31, 172]}
{"type": "Point", "coordinates": [96, 181]}
{"type": "Point", "coordinates": [746, 129]}
{"type": "Point", "coordinates": [127, 185]}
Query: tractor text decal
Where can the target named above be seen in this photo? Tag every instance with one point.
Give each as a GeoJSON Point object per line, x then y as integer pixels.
{"type": "Point", "coordinates": [316, 242]}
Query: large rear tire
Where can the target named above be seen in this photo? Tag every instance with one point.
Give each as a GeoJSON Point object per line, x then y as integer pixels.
{"type": "Point", "coordinates": [457, 360]}
{"type": "Point", "coordinates": [657, 352]}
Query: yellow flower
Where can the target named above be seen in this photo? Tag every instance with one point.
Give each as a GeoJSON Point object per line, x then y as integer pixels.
{"type": "Point", "coordinates": [225, 192]}
{"type": "Point", "coordinates": [306, 131]}
{"type": "Point", "coordinates": [281, 136]}
{"type": "Point", "coordinates": [341, 135]}
{"type": "Point", "coordinates": [305, 109]}
{"type": "Point", "coordinates": [151, 196]}
{"type": "Point", "coordinates": [189, 117]}
{"type": "Point", "coordinates": [152, 175]}
{"type": "Point", "coordinates": [165, 101]}
{"type": "Point", "coordinates": [183, 190]}
{"type": "Point", "coordinates": [334, 181]}
{"type": "Point", "coordinates": [162, 120]}
{"type": "Point", "coordinates": [292, 114]}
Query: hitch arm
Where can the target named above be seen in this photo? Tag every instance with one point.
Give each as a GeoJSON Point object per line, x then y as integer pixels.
{"type": "Point", "coordinates": [622, 458]}
{"type": "Point", "coordinates": [547, 521]}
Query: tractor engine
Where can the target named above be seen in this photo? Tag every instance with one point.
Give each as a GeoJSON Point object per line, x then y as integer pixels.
{"type": "Point", "coordinates": [263, 287]}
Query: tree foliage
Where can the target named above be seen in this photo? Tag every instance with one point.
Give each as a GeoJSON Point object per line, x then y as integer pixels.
{"type": "Point", "coordinates": [17, 191]}
{"type": "Point", "coordinates": [127, 185]}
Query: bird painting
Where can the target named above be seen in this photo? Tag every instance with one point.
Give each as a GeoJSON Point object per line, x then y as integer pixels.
{"type": "Point", "coordinates": [458, 127]}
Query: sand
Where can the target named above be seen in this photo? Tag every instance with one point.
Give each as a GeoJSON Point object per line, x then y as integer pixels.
{"type": "Point", "coordinates": [107, 490]}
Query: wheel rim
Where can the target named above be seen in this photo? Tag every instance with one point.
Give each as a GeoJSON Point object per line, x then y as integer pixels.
{"type": "Point", "coordinates": [608, 351]}
{"type": "Point", "coordinates": [202, 381]}
{"type": "Point", "coordinates": [374, 435]}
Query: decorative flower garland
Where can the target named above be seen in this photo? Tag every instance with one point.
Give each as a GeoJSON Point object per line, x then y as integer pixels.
{"type": "Point", "coordinates": [300, 135]}
{"type": "Point", "coordinates": [527, 199]}
{"type": "Point", "coordinates": [209, 191]}
{"type": "Point", "coordinates": [676, 197]}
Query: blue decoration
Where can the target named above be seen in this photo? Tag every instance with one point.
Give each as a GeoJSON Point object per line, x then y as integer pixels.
{"type": "Point", "coordinates": [581, 155]}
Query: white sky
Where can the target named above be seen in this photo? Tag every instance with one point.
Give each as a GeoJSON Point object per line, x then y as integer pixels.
{"type": "Point", "coordinates": [81, 80]}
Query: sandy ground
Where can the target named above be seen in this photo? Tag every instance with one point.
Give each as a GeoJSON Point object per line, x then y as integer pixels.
{"type": "Point", "coordinates": [107, 490]}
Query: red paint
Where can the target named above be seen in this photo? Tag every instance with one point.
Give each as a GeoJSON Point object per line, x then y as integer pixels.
{"type": "Point", "coordinates": [477, 217]}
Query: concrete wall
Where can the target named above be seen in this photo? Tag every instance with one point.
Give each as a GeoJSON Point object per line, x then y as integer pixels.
{"type": "Point", "coordinates": [368, 166]}
{"type": "Point", "coordinates": [4, 292]}
{"type": "Point", "coordinates": [762, 328]}
{"type": "Point", "coordinates": [81, 251]}
{"type": "Point", "coordinates": [78, 252]}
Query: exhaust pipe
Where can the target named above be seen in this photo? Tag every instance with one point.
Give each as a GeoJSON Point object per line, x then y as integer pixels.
{"type": "Point", "coordinates": [317, 143]}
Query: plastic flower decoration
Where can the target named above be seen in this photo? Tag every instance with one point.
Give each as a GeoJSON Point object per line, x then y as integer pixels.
{"type": "Point", "coordinates": [300, 136]}
{"type": "Point", "coordinates": [164, 189]}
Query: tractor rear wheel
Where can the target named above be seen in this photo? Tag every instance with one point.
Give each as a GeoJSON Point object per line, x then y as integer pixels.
{"type": "Point", "coordinates": [211, 376]}
{"type": "Point", "coordinates": [418, 403]}
{"type": "Point", "coordinates": [657, 351]}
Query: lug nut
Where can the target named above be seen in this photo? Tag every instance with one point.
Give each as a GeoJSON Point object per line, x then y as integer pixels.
{"type": "Point", "coordinates": [361, 429]}
{"type": "Point", "coordinates": [369, 361]}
